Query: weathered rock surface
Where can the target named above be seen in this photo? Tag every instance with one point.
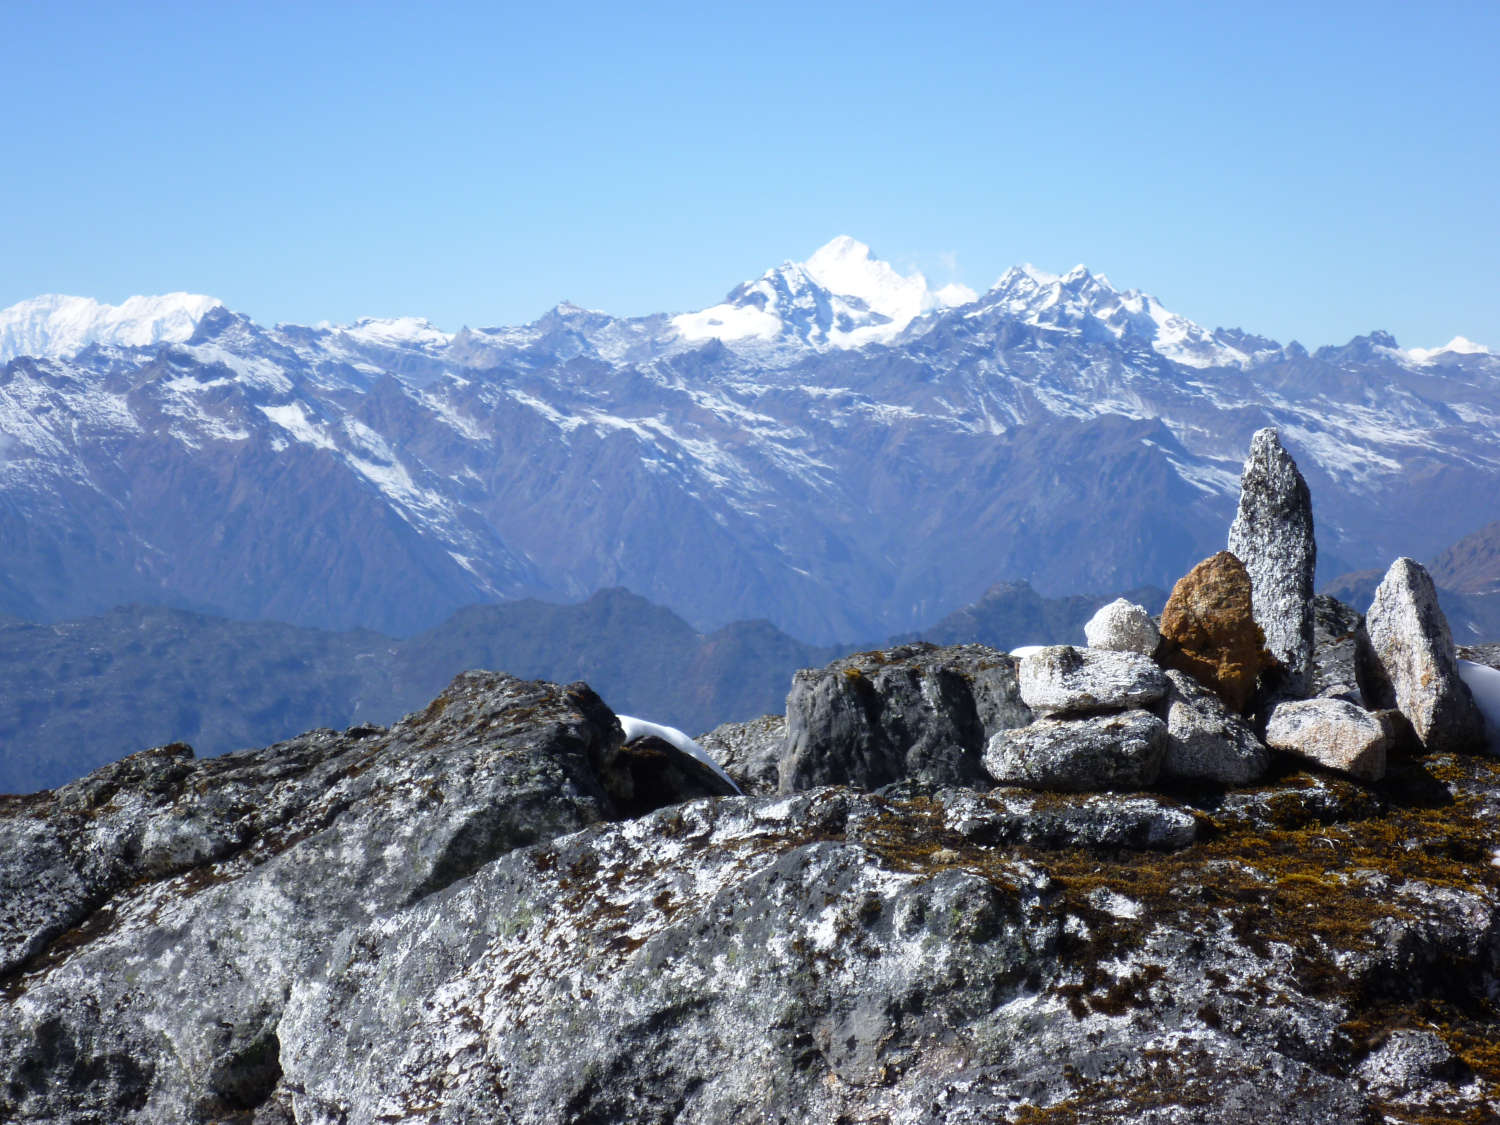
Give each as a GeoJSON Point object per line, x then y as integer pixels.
{"type": "Point", "coordinates": [1063, 680]}
{"type": "Point", "coordinates": [1043, 820]}
{"type": "Point", "coordinates": [1206, 741]}
{"type": "Point", "coordinates": [1120, 751]}
{"type": "Point", "coordinates": [1272, 535]}
{"type": "Point", "coordinates": [749, 752]}
{"type": "Point", "coordinates": [1209, 631]}
{"type": "Point", "coordinates": [1407, 661]}
{"type": "Point", "coordinates": [1332, 733]}
{"type": "Point", "coordinates": [1336, 629]}
{"type": "Point", "coordinates": [1122, 626]}
{"type": "Point", "coordinates": [916, 711]}
{"type": "Point", "coordinates": [154, 914]}
{"type": "Point", "coordinates": [441, 922]}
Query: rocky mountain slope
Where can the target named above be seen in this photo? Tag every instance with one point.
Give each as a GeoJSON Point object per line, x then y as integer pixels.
{"type": "Point", "coordinates": [1187, 910]}
{"type": "Point", "coordinates": [836, 448]}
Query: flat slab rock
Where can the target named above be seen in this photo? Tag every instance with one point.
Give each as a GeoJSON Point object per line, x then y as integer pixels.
{"type": "Point", "coordinates": [1064, 680]}
{"type": "Point", "coordinates": [1332, 733]}
{"type": "Point", "coordinates": [1121, 751]}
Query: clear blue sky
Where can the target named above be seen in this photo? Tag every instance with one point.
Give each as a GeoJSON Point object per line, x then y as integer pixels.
{"type": "Point", "coordinates": [1306, 171]}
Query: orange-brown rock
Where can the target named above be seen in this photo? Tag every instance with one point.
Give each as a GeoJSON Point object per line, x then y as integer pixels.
{"type": "Point", "coordinates": [1208, 630]}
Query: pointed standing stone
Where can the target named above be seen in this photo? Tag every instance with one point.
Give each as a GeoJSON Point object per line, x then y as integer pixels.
{"type": "Point", "coordinates": [1406, 660]}
{"type": "Point", "coordinates": [1273, 536]}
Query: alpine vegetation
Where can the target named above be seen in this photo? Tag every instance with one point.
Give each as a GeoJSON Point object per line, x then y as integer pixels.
{"type": "Point", "coordinates": [1161, 878]}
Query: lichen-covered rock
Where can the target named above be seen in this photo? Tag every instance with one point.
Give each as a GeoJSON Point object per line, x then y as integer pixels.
{"type": "Point", "coordinates": [1209, 631]}
{"type": "Point", "coordinates": [1120, 751]}
{"type": "Point", "coordinates": [1045, 820]}
{"type": "Point", "coordinates": [1335, 647]}
{"type": "Point", "coordinates": [341, 929]}
{"type": "Point", "coordinates": [915, 711]}
{"type": "Point", "coordinates": [1417, 1070]}
{"type": "Point", "coordinates": [1063, 680]}
{"type": "Point", "coordinates": [1122, 626]}
{"type": "Point", "coordinates": [155, 914]}
{"type": "Point", "coordinates": [822, 958]}
{"type": "Point", "coordinates": [1332, 733]}
{"type": "Point", "coordinates": [1272, 535]}
{"type": "Point", "coordinates": [749, 752]}
{"type": "Point", "coordinates": [1206, 741]}
{"type": "Point", "coordinates": [1407, 661]}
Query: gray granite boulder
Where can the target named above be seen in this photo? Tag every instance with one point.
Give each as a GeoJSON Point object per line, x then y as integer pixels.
{"type": "Point", "coordinates": [1272, 535]}
{"type": "Point", "coordinates": [154, 915]}
{"type": "Point", "coordinates": [1122, 626]}
{"type": "Point", "coordinates": [1332, 733]}
{"type": "Point", "coordinates": [1206, 741]}
{"type": "Point", "coordinates": [1063, 680]}
{"type": "Point", "coordinates": [1336, 629]}
{"type": "Point", "coordinates": [749, 752]}
{"type": "Point", "coordinates": [916, 711]}
{"type": "Point", "coordinates": [1407, 661]}
{"type": "Point", "coordinates": [1120, 751]}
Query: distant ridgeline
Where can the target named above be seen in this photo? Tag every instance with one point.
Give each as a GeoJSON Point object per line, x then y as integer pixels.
{"type": "Point", "coordinates": [77, 694]}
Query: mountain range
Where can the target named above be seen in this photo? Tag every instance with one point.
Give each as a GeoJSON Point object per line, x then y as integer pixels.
{"type": "Point", "coordinates": [840, 449]}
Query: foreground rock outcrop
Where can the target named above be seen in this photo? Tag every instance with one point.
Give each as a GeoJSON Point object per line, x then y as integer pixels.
{"type": "Point", "coordinates": [444, 922]}
{"type": "Point", "coordinates": [155, 915]}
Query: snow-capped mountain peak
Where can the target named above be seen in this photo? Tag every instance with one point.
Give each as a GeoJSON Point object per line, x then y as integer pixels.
{"type": "Point", "coordinates": [1071, 301]}
{"type": "Point", "coordinates": [399, 331]}
{"type": "Point", "coordinates": [56, 325]}
{"type": "Point", "coordinates": [841, 297]}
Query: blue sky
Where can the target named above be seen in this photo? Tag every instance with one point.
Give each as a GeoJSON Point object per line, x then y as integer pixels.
{"type": "Point", "coordinates": [1307, 172]}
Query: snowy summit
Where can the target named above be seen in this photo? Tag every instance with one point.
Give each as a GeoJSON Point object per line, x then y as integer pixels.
{"type": "Point", "coordinates": [841, 297]}
{"type": "Point", "coordinates": [54, 325]}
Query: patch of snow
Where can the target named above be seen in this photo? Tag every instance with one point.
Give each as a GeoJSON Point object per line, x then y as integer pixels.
{"type": "Point", "coordinates": [641, 728]}
{"type": "Point", "coordinates": [292, 418]}
{"type": "Point", "coordinates": [57, 325]}
{"type": "Point", "coordinates": [1026, 650]}
{"type": "Point", "coordinates": [253, 371]}
{"type": "Point", "coordinates": [1484, 686]}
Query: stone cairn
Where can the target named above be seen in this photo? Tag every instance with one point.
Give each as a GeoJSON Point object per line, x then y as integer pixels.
{"type": "Point", "coordinates": [1227, 678]}
{"type": "Point", "coordinates": [1230, 677]}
